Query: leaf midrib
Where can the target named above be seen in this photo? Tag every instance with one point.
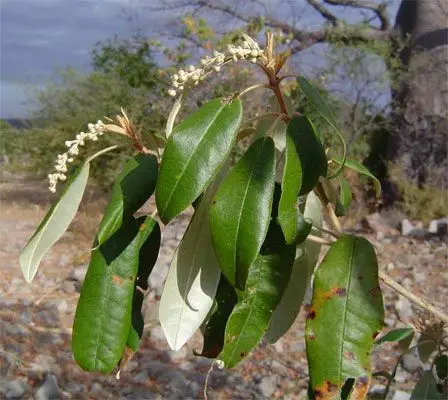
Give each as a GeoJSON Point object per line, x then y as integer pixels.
{"type": "Point", "coordinates": [191, 157]}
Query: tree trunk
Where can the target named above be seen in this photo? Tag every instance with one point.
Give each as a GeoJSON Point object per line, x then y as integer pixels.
{"type": "Point", "coordinates": [420, 92]}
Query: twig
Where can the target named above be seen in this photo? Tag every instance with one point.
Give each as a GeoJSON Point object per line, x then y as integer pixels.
{"type": "Point", "coordinates": [334, 219]}
{"type": "Point", "coordinates": [260, 85]}
{"type": "Point", "coordinates": [319, 240]}
{"type": "Point", "coordinates": [327, 231]}
{"type": "Point", "coordinates": [423, 303]}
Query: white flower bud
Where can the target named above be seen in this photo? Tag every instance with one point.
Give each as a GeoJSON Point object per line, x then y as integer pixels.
{"type": "Point", "coordinates": [191, 68]}
{"type": "Point", "coordinates": [172, 92]}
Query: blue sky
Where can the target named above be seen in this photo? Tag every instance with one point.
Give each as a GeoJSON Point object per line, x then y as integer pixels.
{"type": "Point", "coordinates": [40, 36]}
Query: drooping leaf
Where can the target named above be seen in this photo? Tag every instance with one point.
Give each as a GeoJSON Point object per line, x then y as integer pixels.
{"type": "Point", "coordinates": [313, 213]}
{"type": "Point", "coordinates": [193, 277]}
{"type": "Point", "coordinates": [287, 310]}
{"type": "Point", "coordinates": [57, 219]}
{"type": "Point", "coordinates": [306, 258]}
{"type": "Point", "coordinates": [133, 186]}
{"type": "Point", "coordinates": [345, 316]}
{"type": "Point", "coordinates": [320, 105]}
{"type": "Point", "coordinates": [194, 153]}
{"type": "Point", "coordinates": [345, 194]}
{"type": "Point", "coordinates": [358, 167]}
{"type": "Point", "coordinates": [55, 223]}
{"type": "Point", "coordinates": [441, 363]}
{"type": "Point", "coordinates": [427, 343]}
{"type": "Point", "coordinates": [240, 214]}
{"type": "Point", "coordinates": [303, 229]}
{"type": "Point", "coordinates": [426, 388]}
{"type": "Point", "coordinates": [147, 260]}
{"type": "Point", "coordinates": [215, 326]}
{"type": "Point", "coordinates": [310, 152]}
{"type": "Point", "coordinates": [267, 280]}
{"type": "Point", "coordinates": [103, 316]}
{"type": "Point", "coordinates": [396, 335]}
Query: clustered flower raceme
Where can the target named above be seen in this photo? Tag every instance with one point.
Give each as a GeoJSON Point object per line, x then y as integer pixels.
{"type": "Point", "coordinates": [95, 130]}
{"type": "Point", "coordinates": [249, 50]}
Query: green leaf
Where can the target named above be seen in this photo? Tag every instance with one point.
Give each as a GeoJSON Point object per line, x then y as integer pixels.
{"type": "Point", "coordinates": [147, 260]}
{"type": "Point", "coordinates": [55, 223]}
{"type": "Point", "coordinates": [267, 280]}
{"type": "Point", "coordinates": [287, 310]}
{"type": "Point", "coordinates": [193, 277]}
{"type": "Point", "coordinates": [303, 229]}
{"type": "Point", "coordinates": [134, 185]}
{"type": "Point", "coordinates": [441, 363]}
{"type": "Point", "coordinates": [103, 316]}
{"type": "Point", "coordinates": [358, 167]}
{"type": "Point", "coordinates": [345, 316]}
{"type": "Point", "coordinates": [426, 388]}
{"type": "Point", "coordinates": [215, 326]}
{"type": "Point", "coordinates": [396, 335]}
{"type": "Point", "coordinates": [320, 105]}
{"type": "Point", "coordinates": [306, 258]}
{"type": "Point", "coordinates": [193, 155]}
{"type": "Point", "coordinates": [239, 217]}
{"type": "Point", "coordinates": [345, 195]}
{"type": "Point", "coordinates": [427, 343]}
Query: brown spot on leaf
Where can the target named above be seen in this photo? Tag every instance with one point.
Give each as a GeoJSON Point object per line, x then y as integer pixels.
{"type": "Point", "coordinates": [118, 280]}
{"type": "Point", "coordinates": [361, 388]}
{"type": "Point", "coordinates": [341, 292]}
{"type": "Point", "coordinates": [326, 391]}
{"type": "Point", "coordinates": [311, 314]}
{"type": "Point", "coordinates": [349, 355]}
{"type": "Point", "coordinates": [142, 227]}
{"type": "Point", "coordinates": [375, 334]}
{"type": "Point", "coordinates": [375, 292]}
{"type": "Point", "coordinates": [311, 336]}
{"type": "Point", "coordinates": [242, 354]}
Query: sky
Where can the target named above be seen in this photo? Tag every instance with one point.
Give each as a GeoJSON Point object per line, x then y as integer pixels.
{"type": "Point", "coordinates": [39, 36]}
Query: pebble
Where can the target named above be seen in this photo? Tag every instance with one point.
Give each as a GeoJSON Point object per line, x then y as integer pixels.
{"type": "Point", "coordinates": [404, 309]}
{"type": "Point", "coordinates": [439, 226]}
{"type": "Point", "coordinates": [400, 395]}
{"type": "Point", "coordinates": [69, 287]}
{"type": "Point", "coordinates": [411, 361]}
{"type": "Point", "coordinates": [14, 389]}
{"type": "Point", "coordinates": [78, 273]}
{"type": "Point", "coordinates": [49, 389]}
{"type": "Point", "coordinates": [268, 385]}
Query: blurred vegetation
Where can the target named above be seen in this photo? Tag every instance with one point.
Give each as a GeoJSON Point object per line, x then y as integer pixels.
{"type": "Point", "coordinates": [130, 74]}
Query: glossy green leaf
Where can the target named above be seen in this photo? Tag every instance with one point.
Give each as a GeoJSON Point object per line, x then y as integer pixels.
{"type": "Point", "coordinates": [345, 316]}
{"type": "Point", "coordinates": [215, 326]}
{"type": "Point", "coordinates": [427, 343]}
{"type": "Point", "coordinates": [103, 316]}
{"type": "Point", "coordinates": [131, 189]}
{"type": "Point", "coordinates": [268, 276]}
{"type": "Point", "coordinates": [291, 184]}
{"type": "Point", "coordinates": [194, 154]}
{"type": "Point", "coordinates": [320, 105]}
{"type": "Point", "coordinates": [239, 217]}
{"type": "Point", "coordinates": [192, 279]}
{"type": "Point", "coordinates": [303, 229]}
{"type": "Point", "coordinates": [345, 194]}
{"type": "Point", "coordinates": [396, 335]}
{"type": "Point", "coordinates": [147, 260]}
{"type": "Point", "coordinates": [358, 167]}
{"type": "Point", "coordinates": [426, 388]}
{"type": "Point", "coordinates": [306, 258]}
{"type": "Point", "coordinates": [441, 363]}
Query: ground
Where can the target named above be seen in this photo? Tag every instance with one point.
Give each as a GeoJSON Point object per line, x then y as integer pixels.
{"type": "Point", "coordinates": [36, 319]}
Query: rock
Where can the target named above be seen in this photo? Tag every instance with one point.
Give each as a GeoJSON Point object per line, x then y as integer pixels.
{"type": "Point", "coordinates": [49, 389]}
{"type": "Point", "coordinates": [378, 224]}
{"type": "Point", "coordinates": [376, 392]}
{"type": "Point", "coordinates": [439, 226]}
{"type": "Point", "coordinates": [78, 273]}
{"type": "Point", "coordinates": [14, 389]}
{"type": "Point", "coordinates": [47, 318]}
{"type": "Point", "coordinates": [400, 395]}
{"type": "Point", "coordinates": [411, 361]}
{"type": "Point", "coordinates": [404, 309]}
{"type": "Point", "coordinates": [69, 287]}
{"type": "Point", "coordinates": [409, 230]}
{"type": "Point", "coordinates": [268, 385]}
{"type": "Point", "coordinates": [156, 333]}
